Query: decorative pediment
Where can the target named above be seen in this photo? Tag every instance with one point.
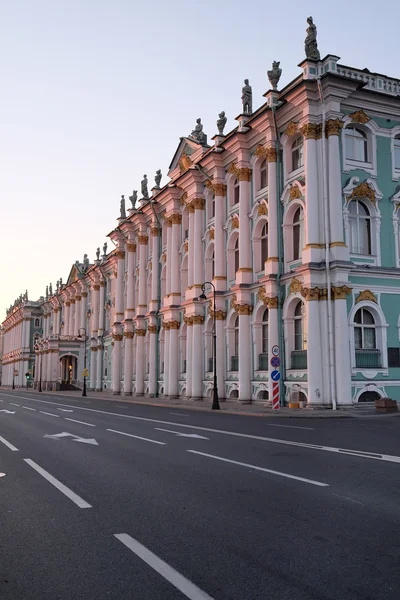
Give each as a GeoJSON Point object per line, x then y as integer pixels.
{"type": "Point", "coordinates": [366, 295]}
{"type": "Point", "coordinates": [295, 286]}
{"type": "Point", "coordinates": [74, 274]}
{"type": "Point", "coordinates": [359, 116]}
{"type": "Point", "coordinates": [235, 222]}
{"type": "Point", "coordinates": [294, 191]}
{"type": "Point", "coordinates": [366, 189]}
{"type": "Point", "coordinates": [181, 158]}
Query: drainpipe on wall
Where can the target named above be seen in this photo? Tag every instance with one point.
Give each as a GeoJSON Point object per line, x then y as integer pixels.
{"type": "Point", "coordinates": [325, 175]}
{"type": "Point", "coordinates": [280, 262]}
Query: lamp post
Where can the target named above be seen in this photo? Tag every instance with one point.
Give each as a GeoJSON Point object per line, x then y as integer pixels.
{"type": "Point", "coordinates": [84, 360]}
{"type": "Point", "coordinates": [215, 401]}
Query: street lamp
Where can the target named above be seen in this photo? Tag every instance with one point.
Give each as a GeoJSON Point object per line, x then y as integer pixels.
{"type": "Point", "coordinates": [215, 402]}
{"type": "Point", "coordinates": [84, 360]}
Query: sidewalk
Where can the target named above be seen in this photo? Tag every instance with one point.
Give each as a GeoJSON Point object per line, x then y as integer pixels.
{"type": "Point", "coordinates": [227, 406]}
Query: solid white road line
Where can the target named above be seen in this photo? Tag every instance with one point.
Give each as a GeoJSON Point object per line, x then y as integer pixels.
{"type": "Point", "coordinates": [4, 441]}
{"type": "Point", "coordinates": [178, 415]}
{"type": "Point", "coordinates": [29, 408]}
{"type": "Point", "coordinates": [137, 437]}
{"type": "Point", "coordinates": [81, 422]}
{"type": "Point", "coordinates": [241, 464]}
{"type": "Point", "coordinates": [13, 404]}
{"type": "Point", "coordinates": [188, 589]}
{"type": "Point", "coordinates": [57, 484]}
{"type": "Point", "coordinates": [357, 453]}
{"type": "Point", "coordinates": [49, 414]}
{"type": "Point", "coordinates": [290, 426]}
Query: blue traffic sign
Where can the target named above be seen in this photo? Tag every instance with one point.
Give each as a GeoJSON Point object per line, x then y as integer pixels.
{"type": "Point", "coordinates": [275, 375]}
{"type": "Point", "coordinates": [275, 361]}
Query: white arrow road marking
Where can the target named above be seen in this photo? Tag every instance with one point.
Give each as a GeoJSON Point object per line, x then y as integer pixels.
{"type": "Point", "coordinates": [189, 435]}
{"type": "Point", "coordinates": [8, 412]}
{"type": "Point", "coordinates": [2, 474]}
{"type": "Point", "coordinates": [65, 410]}
{"type": "Point", "coordinates": [75, 438]}
{"type": "Point", "coordinates": [57, 484]}
{"type": "Point", "coordinates": [188, 589]}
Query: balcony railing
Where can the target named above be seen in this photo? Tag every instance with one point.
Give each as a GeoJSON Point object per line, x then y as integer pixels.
{"type": "Point", "coordinates": [299, 359]}
{"type": "Point", "coordinates": [368, 358]}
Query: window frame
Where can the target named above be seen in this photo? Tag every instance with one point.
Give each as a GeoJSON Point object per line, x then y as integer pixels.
{"type": "Point", "coordinates": [370, 130]}
{"type": "Point", "coordinates": [358, 219]}
{"type": "Point", "coordinates": [353, 142]}
{"type": "Point", "coordinates": [300, 148]}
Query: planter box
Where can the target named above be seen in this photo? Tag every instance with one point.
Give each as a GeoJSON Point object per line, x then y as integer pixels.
{"type": "Point", "coordinates": [386, 405]}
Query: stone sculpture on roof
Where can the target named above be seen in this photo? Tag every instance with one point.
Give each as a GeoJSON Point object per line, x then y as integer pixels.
{"type": "Point", "coordinates": [197, 134]}
{"type": "Point", "coordinates": [247, 98]}
{"type": "Point", "coordinates": [310, 43]}
{"type": "Point", "coordinates": [221, 122]}
{"type": "Point", "coordinates": [274, 74]}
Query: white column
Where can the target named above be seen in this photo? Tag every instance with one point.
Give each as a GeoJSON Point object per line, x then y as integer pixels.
{"type": "Point", "coordinates": [244, 353]}
{"type": "Point", "coordinates": [130, 295]}
{"type": "Point", "coordinates": [142, 306]}
{"type": "Point", "coordinates": [189, 348]}
{"type": "Point", "coordinates": [191, 245]}
{"type": "Point", "coordinates": [140, 366]}
{"type": "Point", "coordinates": [119, 297]}
{"type": "Point", "coordinates": [101, 309]}
{"type": "Point", "coordinates": [176, 220]}
{"type": "Point", "coordinates": [166, 358]}
{"type": "Point", "coordinates": [315, 353]}
{"type": "Point", "coordinates": [78, 311]}
{"type": "Point", "coordinates": [197, 356]}
{"type": "Point", "coordinates": [99, 369]}
{"type": "Point", "coordinates": [221, 353]}
{"type": "Point", "coordinates": [67, 306]}
{"type": "Point", "coordinates": [342, 348]}
{"type": "Point", "coordinates": [244, 231]}
{"type": "Point", "coordinates": [198, 204]}
{"type": "Point", "coordinates": [116, 361]}
{"type": "Point", "coordinates": [273, 228]}
{"type": "Point", "coordinates": [335, 197]}
{"type": "Point", "coordinates": [72, 329]}
{"type": "Point", "coordinates": [173, 358]}
{"type": "Point", "coordinates": [128, 362]}
{"type": "Point", "coordinates": [93, 367]}
{"type": "Point", "coordinates": [220, 254]}
{"type": "Point", "coordinates": [273, 339]}
{"type": "Point", "coordinates": [155, 272]}
{"type": "Point", "coordinates": [169, 259]}
{"type": "Point", "coordinates": [83, 311]}
{"type": "Point", "coordinates": [312, 196]}
{"type": "Point", "coordinates": [153, 358]}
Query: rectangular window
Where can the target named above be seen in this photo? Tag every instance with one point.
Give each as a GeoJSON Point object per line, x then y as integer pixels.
{"type": "Point", "coordinates": [236, 194]}
{"type": "Point", "coordinates": [298, 334]}
{"type": "Point", "coordinates": [296, 242]}
{"type": "Point", "coordinates": [397, 157]}
{"type": "Point", "coordinates": [394, 357]}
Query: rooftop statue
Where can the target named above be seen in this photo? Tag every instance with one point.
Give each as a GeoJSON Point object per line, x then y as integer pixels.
{"type": "Point", "coordinates": [145, 191]}
{"type": "Point", "coordinates": [197, 134]}
{"type": "Point", "coordinates": [274, 74]}
{"type": "Point", "coordinates": [133, 198]}
{"type": "Point", "coordinates": [98, 254]}
{"type": "Point", "coordinates": [247, 98]}
{"type": "Point", "coordinates": [122, 208]}
{"type": "Point", "coordinates": [310, 43]}
{"type": "Point", "coordinates": [221, 122]}
{"type": "Point", "coordinates": [157, 178]}
{"type": "Point", "coordinates": [85, 261]}
{"type": "Point", "coordinates": [105, 249]}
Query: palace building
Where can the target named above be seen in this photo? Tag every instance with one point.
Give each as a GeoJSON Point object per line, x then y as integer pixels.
{"type": "Point", "coordinates": [293, 217]}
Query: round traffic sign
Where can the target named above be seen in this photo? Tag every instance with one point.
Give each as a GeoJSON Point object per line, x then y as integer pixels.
{"type": "Point", "coordinates": [275, 375]}
{"type": "Point", "coordinates": [275, 350]}
{"type": "Point", "coordinates": [275, 361]}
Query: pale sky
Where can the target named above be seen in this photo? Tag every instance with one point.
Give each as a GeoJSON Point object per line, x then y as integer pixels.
{"type": "Point", "coordinates": [96, 93]}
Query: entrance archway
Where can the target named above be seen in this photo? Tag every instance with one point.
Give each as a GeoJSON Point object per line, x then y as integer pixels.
{"type": "Point", "coordinates": [69, 370]}
{"type": "Point", "coordinates": [369, 396]}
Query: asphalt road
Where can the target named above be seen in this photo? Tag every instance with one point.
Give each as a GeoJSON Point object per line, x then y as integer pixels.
{"type": "Point", "coordinates": [109, 500]}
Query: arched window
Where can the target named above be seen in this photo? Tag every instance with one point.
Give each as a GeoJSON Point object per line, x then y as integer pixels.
{"type": "Point", "coordinates": [37, 322]}
{"type": "Point", "coordinates": [212, 207]}
{"type": "Point", "coordinates": [299, 327]}
{"type": "Point", "coordinates": [397, 152]}
{"type": "Point", "coordinates": [297, 153]}
{"type": "Point", "coordinates": [356, 144]}
{"type": "Point", "coordinates": [264, 324]}
{"type": "Point", "coordinates": [364, 330]}
{"type": "Point", "coordinates": [236, 192]}
{"type": "Point", "coordinates": [236, 250]}
{"type": "Point", "coordinates": [297, 233]}
{"type": "Point", "coordinates": [264, 244]}
{"type": "Point", "coordinates": [368, 355]}
{"type": "Point", "coordinates": [360, 228]}
{"type": "Point", "coordinates": [236, 337]}
{"type": "Point", "coordinates": [263, 175]}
